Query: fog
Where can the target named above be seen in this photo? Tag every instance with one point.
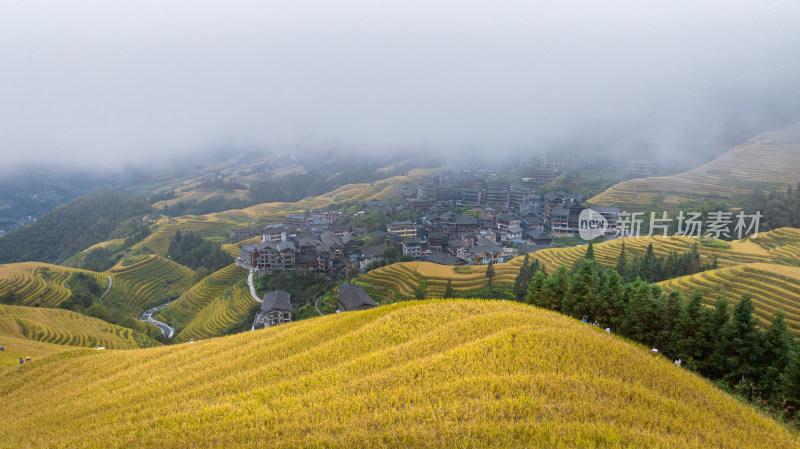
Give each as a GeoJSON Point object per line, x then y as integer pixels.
{"type": "Point", "coordinates": [111, 83]}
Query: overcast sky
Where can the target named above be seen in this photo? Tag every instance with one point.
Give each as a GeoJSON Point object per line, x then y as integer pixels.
{"type": "Point", "coordinates": [111, 82]}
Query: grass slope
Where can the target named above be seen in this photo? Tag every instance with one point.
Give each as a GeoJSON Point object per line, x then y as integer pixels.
{"type": "Point", "coordinates": [434, 374]}
{"type": "Point", "coordinates": [769, 159]}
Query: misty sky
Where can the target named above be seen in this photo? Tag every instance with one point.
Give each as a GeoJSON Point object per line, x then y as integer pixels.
{"type": "Point", "coordinates": [118, 82]}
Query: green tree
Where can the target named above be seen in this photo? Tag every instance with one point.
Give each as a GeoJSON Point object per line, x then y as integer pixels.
{"type": "Point", "coordinates": [622, 261]}
{"type": "Point", "coordinates": [720, 332]}
{"type": "Point", "coordinates": [536, 290]}
{"type": "Point", "coordinates": [641, 320]}
{"type": "Point", "coordinates": [691, 331]}
{"type": "Point", "coordinates": [610, 304]}
{"type": "Point", "coordinates": [778, 344]}
{"type": "Point", "coordinates": [581, 299]}
{"type": "Point", "coordinates": [556, 288]}
{"type": "Point", "coordinates": [490, 273]}
{"type": "Point", "coordinates": [589, 252]}
{"type": "Point", "coordinates": [671, 311]}
{"type": "Point", "coordinates": [448, 292]}
{"type": "Point", "coordinates": [746, 348]}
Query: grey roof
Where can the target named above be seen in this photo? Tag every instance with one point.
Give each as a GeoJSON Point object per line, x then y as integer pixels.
{"type": "Point", "coordinates": [353, 297]}
{"type": "Point", "coordinates": [514, 229]}
{"type": "Point", "coordinates": [507, 216]}
{"type": "Point", "coordinates": [442, 258]}
{"type": "Point", "coordinates": [305, 240]}
{"type": "Point", "coordinates": [330, 239]}
{"type": "Point", "coordinates": [374, 250]}
{"type": "Point", "coordinates": [276, 299]}
{"type": "Point", "coordinates": [285, 245]}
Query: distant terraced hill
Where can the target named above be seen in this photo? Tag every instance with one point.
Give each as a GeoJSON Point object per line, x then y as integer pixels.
{"type": "Point", "coordinates": [769, 159]}
{"type": "Point", "coordinates": [773, 287]}
{"type": "Point", "coordinates": [41, 284]}
{"type": "Point", "coordinates": [431, 374]}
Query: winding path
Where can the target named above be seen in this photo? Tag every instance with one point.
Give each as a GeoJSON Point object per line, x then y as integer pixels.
{"type": "Point", "coordinates": [316, 306]}
{"type": "Point", "coordinates": [252, 287]}
{"type": "Point", "coordinates": [110, 282]}
{"type": "Point", "coordinates": [148, 318]}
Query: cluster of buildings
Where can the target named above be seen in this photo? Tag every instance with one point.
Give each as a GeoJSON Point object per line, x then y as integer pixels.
{"type": "Point", "coordinates": [276, 307]}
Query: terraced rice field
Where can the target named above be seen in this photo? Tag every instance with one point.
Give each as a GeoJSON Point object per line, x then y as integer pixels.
{"type": "Point", "coordinates": [183, 310]}
{"type": "Point", "coordinates": [219, 317]}
{"type": "Point", "coordinates": [769, 159]}
{"type": "Point", "coordinates": [415, 374]}
{"type": "Point", "coordinates": [404, 278]}
{"type": "Point", "coordinates": [205, 225]}
{"type": "Point", "coordinates": [64, 327]}
{"type": "Point", "coordinates": [773, 287]}
{"type": "Point", "coordinates": [40, 284]}
{"type": "Point", "coordinates": [149, 282]}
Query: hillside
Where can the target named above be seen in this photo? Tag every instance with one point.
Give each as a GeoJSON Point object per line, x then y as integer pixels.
{"type": "Point", "coordinates": [404, 278]}
{"type": "Point", "coordinates": [141, 282]}
{"type": "Point", "coordinates": [434, 374]}
{"type": "Point", "coordinates": [41, 284]}
{"type": "Point", "coordinates": [63, 327]}
{"type": "Point", "coordinates": [771, 159]}
{"type": "Point", "coordinates": [773, 287]}
{"type": "Point", "coordinates": [71, 228]}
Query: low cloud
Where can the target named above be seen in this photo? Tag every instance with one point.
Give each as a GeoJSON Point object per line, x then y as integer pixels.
{"type": "Point", "coordinates": [105, 83]}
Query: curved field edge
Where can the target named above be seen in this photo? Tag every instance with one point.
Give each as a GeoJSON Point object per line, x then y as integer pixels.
{"type": "Point", "coordinates": [432, 374]}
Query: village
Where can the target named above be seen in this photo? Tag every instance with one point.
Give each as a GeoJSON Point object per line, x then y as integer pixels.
{"type": "Point", "coordinates": [459, 217]}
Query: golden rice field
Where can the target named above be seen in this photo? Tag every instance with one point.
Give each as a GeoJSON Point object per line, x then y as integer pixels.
{"type": "Point", "coordinates": [148, 282]}
{"type": "Point", "coordinates": [204, 225]}
{"type": "Point", "coordinates": [414, 374]}
{"type": "Point", "coordinates": [183, 310]}
{"type": "Point", "coordinates": [773, 287]}
{"type": "Point", "coordinates": [769, 159]}
{"type": "Point", "coordinates": [404, 278]}
{"type": "Point", "coordinates": [41, 284]}
{"type": "Point", "coordinates": [64, 327]}
{"type": "Point", "coordinates": [218, 317]}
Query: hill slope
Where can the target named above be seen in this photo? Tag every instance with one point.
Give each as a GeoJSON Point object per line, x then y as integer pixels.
{"type": "Point", "coordinates": [71, 228]}
{"type": "Point", "coordinates": [769, 159]}
{"type": "Point", "coordinates": [455, 374]}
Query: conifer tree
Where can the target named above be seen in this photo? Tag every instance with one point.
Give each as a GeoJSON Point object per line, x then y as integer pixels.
{"type": "Point", "coordinates": [746, 345]}
{"type": "Point", "coordinates": [448, 292]}
{"type": "Point", "coordinates": [581, 300]}
{"type": "Point", "coordinates": [671, 311]}
{"type": "Point", "coordinates": [610, 300]}
{"type": "Point", "coordinates": [691, 330]}
{"type": "Point", "coordinates": [522, 280]}
{"type": "Point", "coordinates": [641, 314]}
{"type": "Point", "coordinates": [490, 273]}
{"type": "Point", "coordinates": [720, 334]}
{"type": "Point", "coordinates": [589, 252]}
{"type": "Point", "coordinates": [556, 288]}
{"type": "Point", "coordinates": [778, 344]}
{"type": "Point", "coordinates": [536, 288]}
{"type": "Point", "coordinates": [622, 262]}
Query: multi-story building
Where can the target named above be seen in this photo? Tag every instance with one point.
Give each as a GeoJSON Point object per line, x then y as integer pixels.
{"type": "Point", "coordinates": [402, 228]}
